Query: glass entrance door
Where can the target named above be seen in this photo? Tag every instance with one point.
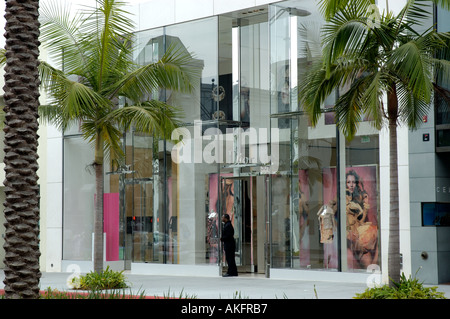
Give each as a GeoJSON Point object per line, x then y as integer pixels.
{"type": "Point", "coordinates": [139, 235]}
{"type": "Point", "coordinates": [236, 203]}
{"type": "Point", "coordinates": [244, 199]}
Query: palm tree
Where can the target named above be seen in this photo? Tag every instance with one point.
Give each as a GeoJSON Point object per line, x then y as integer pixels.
{"type": "Point", "coordinates": [95, 52]}
{"type": "Point", "coordinates": [20, 144]}
{"type": "Point", "coordinates": [389, 58]}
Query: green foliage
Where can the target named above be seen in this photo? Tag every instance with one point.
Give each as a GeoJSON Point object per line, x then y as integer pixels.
{"type": "Point", "coordinates": [366, 62]}
{"type": "Point", "coordinates": [50, 293]}
{"type": "Point", "coordinates": [239, 295]}
{"type": "Point", "coordinates": [108, 279]}
{"type": "Point", "coordinates": [172, 295]}
{"type": "Point", "coordinates": [94, 68]}
{"type": "Point", "coordinates": [406, 288]}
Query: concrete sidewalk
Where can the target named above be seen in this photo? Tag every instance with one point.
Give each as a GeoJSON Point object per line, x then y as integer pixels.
{"type": "Point", "coordinates": [244, 286]}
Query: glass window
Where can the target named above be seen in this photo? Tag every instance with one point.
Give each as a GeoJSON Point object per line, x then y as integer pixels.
{"type": "Point", "coordinates": [200, 39]}
{"type": "Point", "coordinates": [192, 165]}
{"type": "Point", "coordinates": [304, 191]}
{"type": "Point", "coordinates": [321, 174]}
{"type": "Point", "coordinates": [79, 195]}
{"type": "Point", "coordinates": [254, 72]}
{"type": "Point", "coordinates": [362, 204]}
{"type": "Point", "coordinates": [141, 204]}
{"type": "Point", "coordinates": [435, 214]}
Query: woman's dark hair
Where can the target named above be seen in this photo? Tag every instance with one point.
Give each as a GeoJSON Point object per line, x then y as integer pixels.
{"type": "Point", "coordinates": [359, 191]}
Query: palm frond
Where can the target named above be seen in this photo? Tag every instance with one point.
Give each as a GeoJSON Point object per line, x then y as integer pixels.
{"type": "Point", "coordinates": [412, 61]}
{"type": "Point", "coordinates": [2, 57]}
{"type": "Point", "coordinates": [60, 35]}
{"type": "Point", "coordinates": [375, 84]}
{"type": "Point", "coordinates": [330, 8]}
{"type": "Point", "coordinates": [350, 108]}
{"type": "Point", "coordinates": [314, 88]}
{"type": "Point", "coordinates": [99, 35]}
{"type": "Point", "coordinates": [151, 117]}
{"type": "Point", "coordinates": [107, 18]}
{"type": "Point", "coordinates": [414, 12]}
{"type": "Point", "coordinates": [411, 108]}
{"type": "Point", "coordinates": [176, 70]}
{"type": "Point", "coordinates": [345, 34]}
{"type": "Point", "coordinates": [68, 100]}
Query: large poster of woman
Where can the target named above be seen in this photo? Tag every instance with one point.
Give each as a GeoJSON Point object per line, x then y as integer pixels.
{"type": "Point", "coordinates": [362, 217]}
{"type": "Point", "coordinates": [361, 213]}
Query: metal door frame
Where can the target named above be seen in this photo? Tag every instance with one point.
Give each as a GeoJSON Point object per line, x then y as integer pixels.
{"type": "Point", "coordinates": [124, 182]}
{"type": "Point", "coordinates": [251, 177]}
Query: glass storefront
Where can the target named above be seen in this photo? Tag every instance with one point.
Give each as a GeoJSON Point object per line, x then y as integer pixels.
{"type": "Point", "coordinates": [324, 199]}
{"type": "Point", "coordinates": [247, 149]}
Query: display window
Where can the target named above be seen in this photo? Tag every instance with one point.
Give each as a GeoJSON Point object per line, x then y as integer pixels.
{"type": "Point", "coordinates": [299, 197]}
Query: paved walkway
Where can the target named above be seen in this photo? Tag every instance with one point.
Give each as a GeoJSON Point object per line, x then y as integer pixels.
{"type": "Point", "coordinates": [244, 286]}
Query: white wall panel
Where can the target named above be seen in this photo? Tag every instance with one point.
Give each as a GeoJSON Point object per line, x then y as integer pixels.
{"type": "Point", "coordinates": [157, 13]}
{"type": "Point", "coordinates": [193, 9]}
{"type": "Point", "coordinates": [154, 13]}
{"type": "Point", "coordinates": [221, 6]}
{"type": "Point", "coordinates": [54, 160]}
{"type": "Point", "coordinates": [54, 250]}
{"type": "Point", "coordinates": [54, 205]}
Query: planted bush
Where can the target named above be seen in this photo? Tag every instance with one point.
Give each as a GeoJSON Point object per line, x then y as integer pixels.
{"type": "Point", "coordinates": [108, 279]}
{"type": "Point", "coordinates": [93, 294]}
{"type": "Point", "coordinates": [406, 288]}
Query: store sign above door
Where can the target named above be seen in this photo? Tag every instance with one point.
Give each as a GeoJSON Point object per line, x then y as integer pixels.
{"type": "Point", "coordinates": [442, 189]}
{"type": "Point", "coordinates": [229, 148]}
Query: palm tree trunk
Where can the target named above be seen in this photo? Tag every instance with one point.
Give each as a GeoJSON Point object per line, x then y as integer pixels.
{"type": "Point", "coordinates": [394, 233]}
{"type": "Point", "coordinates": [98, 214]}
{"type": "Point", "coordinates": [21, 88]}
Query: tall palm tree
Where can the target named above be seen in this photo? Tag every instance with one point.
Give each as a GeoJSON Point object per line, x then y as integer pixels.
{"type": "Point", "coordinates": [95, 51]}
{"type": "Point", "coordinates": [389, 58]}
{"type": "Point", "coordinates": [20, 144]}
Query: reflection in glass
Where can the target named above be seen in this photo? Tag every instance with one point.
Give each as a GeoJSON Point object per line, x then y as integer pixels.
{"type": "Point", "coordinates": [192, 220]}
{"type": "Point", "coordinates": [79, 192]}
{"type": "Point", "coordinates": [200, 39]}
{"type": "Point", "coordinates": [306, 192]}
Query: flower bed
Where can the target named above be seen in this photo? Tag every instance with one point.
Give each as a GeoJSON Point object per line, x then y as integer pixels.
{"type": "Point", "coordinates": [56, 294]}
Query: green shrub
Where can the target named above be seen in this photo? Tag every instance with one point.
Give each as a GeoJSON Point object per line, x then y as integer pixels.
{"type": "Point", "coordinates": [404, 289]}
{"type": "Point", "coordinates": [50, 293]}
{"type": "Point", "coordinates": [108, 279]}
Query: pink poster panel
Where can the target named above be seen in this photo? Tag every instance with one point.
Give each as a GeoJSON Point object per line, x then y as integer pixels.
{"type": "Point", "coordinates": [111, 225]}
